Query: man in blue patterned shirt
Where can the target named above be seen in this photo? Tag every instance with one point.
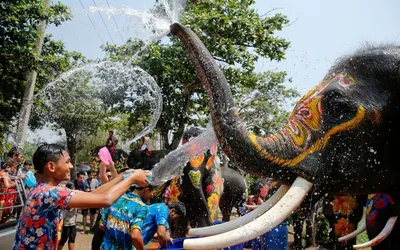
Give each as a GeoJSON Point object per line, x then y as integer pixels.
{"type": "Point", "coordinates": [157, 221]}
{"type": "Point", "coordinates": [123, 220]}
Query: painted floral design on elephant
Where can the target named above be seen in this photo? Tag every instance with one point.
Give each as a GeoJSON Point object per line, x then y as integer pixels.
{"type": "Point", "coordinates": [213, 202]}
{"type": "Point", "coordinates": [344, 205]}
{"type": "Point", "coordinates": [175, 190]}
{"type": "Point", "coordinates": [343, 227]}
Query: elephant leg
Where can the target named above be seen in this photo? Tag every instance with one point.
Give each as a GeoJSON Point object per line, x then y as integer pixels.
{"type": "Point", "coordinates": [297, 232]}
{"type": "Point", "coordinates": [226, 208]}
{"type": "Point", "coordinates": [226, 213]}
{"type": "Point", "coordinates": [309, 232]}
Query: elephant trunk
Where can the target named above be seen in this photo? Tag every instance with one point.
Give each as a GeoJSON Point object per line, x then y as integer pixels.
{"type": "Point", "coordinates": [259, 156]}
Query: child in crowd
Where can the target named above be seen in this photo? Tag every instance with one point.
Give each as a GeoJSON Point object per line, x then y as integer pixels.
{"type": "Point", "coordinates": [39, 222]}
{"type": "Point", "coordinates": [157, 221]}
{"type": "Point", "coordinates": [8, 189]}
{"type": "Point", "coordinates": [256, 199]}
{"type": "Point", "coordinates": [69, 225]}
{"type": "Point", "coordinates": [16, 154]}
{"type": "Point", "coordinates": [28, 177]}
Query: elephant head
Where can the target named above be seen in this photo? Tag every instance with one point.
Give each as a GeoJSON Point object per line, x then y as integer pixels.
{"type": "Point", "coordinates": [340, 136]}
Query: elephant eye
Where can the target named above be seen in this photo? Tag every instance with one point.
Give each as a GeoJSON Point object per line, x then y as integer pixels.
{"type": "Point", "coordinates": [337, 108]}
{"type": "Point", "coordinates": [304, 112]}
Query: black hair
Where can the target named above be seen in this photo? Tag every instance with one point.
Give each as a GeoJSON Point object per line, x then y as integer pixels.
{"type": "Point", "coordinates": [179, 207]}
{"type": "Point", "coordinates": [11, 161]}
{"type": "Point", "coordinates": [79, 174]}
{"type": "Point", "coordinates": [46, 153]}
{"type": "Point", "coordinates": [14, 151]}
{"type": "Point", "coordinates": [255, 187]}
{"type": "Point", "coordinates": [151, 187]}
{"type": "Point", "coordinates": [69, 185]}
{"type": "Point", "coordinates": [28, 163]}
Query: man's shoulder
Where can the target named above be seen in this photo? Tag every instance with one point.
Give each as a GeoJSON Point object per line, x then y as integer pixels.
{"type": "Point", "coordinates": [160, 205]}
{"type": "Point", "coordinates": [133, 199]}
{"type": "Point", "coordinates": [158, 208]}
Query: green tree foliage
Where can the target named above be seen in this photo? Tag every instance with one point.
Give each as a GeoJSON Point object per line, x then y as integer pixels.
{"type": "Point", "coordinates": [71, 104]}
{"type": "Point", "coordinates": [19, 21]}
{"type": "Point", "coordinates": [237, 36]}
{"type": "Point", "coordinates": [88, 143]}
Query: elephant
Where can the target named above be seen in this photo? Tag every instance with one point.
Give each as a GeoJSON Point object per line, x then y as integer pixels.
{"type": "Point", "coordinates": [234, 194]}
{"type": "Point", "coordinates": [380, 208]}
{"type": "Point", "coordinates": [340, 137]}
{"type": "Point", "coordinates": [343, 213]}
{"type": "Point", "coordinates": [145, 160]}
{"type": "Point", "coordinates": [300, 217]}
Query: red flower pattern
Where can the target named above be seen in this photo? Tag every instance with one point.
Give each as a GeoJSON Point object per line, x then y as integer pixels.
{"type": "Point", "coordinates": [40, 219]}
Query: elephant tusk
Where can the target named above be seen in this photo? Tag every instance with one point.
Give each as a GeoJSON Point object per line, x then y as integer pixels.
{"type": "Point", "coordinates": [278, 213]}
{"type": "Point", "coordinates": [228, 226]}
{"type": "Point", "coordinates": [356, 232]}
{"type": "Point", "coordinates": [381, 236]}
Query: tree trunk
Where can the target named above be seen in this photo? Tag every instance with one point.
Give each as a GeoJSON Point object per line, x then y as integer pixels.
{"type": "Point", "coordinates": [26, 108]}
{"type": "Point", "coordinates": [71, 145]}
{"type": "Point", "coordinates": [177, 136]}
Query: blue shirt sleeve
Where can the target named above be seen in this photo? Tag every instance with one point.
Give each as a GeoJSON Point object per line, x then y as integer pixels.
{"type": "Point", "coordinates": [137, 221]}
{"type": "Point", "coordinates": [162, 215]}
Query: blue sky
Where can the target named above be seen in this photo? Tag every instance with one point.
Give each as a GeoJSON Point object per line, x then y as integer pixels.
{"type": "Point", "coordinates": [320, 31]}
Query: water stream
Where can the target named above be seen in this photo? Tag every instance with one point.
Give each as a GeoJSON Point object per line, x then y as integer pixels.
{"type": "Point", "coordinates": [124, 86]}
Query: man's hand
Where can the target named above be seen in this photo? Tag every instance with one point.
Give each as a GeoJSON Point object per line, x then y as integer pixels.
{"type": "Point", "coordinates": [110, 165]}
{"type": "Point", "coordinates": [139, 177]}
{"type": "Point", "coordinates": [128, 171]}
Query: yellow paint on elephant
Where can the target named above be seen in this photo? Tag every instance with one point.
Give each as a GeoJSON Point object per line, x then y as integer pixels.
{"type": "Point", "coordinates": [370, 204]}
{"type": "Point", "coordinates": [318, 145]}
{"type": "Point", "coordinates": [213, 202]}
{"type": "Point", "coordinates": [197, 161]}
{"type": "Point", "coordinates": [313, 119]}
{"type": "Point", "coordinates": [299, 134]}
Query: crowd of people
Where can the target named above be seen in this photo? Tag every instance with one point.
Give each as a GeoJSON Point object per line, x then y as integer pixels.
{"type": "Point", "coordinates": [14, 173]}
{"type": "Point", "coordinates": [119, 209]}
{"type": "Point", "coordinates": [120, 215]}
